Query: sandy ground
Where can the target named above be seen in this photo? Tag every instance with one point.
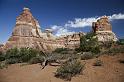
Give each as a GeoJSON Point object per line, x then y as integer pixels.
{"type": "Point", "coordinates": [111, 71]}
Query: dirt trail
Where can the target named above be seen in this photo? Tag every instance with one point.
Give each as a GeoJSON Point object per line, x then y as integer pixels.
{"type": "Point", "coordinates": [111, 71]}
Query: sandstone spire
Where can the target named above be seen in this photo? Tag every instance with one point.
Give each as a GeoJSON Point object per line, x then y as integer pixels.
{"type": "Point", "coordinates": [27, 33]}
{"type": "Point", "coordinates": [26, 25]}
{"type": "Point", "coordinates": [103, 29]}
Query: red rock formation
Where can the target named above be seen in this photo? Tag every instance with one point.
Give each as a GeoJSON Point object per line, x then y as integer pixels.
{"type": "Point", "coordinates": [103, 30]}
{"type": "Point", "coordinates": [102, 24]}
{"type": "Point", "coordinates": [73, 41]}
{"type": "Point", "coordinates": [27, 33]}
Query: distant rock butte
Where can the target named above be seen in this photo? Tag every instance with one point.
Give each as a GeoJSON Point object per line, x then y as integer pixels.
{"type": "Point", "coordinates": [103, 30]}
{"type": "Point", "coordinates": [27, 33]}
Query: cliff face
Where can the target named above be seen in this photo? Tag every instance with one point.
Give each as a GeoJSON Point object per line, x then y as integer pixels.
{"type": "Point", "coordinates": [73, 41]}
{"type": "Point", "coordinates": [27, 33]}
{"type": "Point", "coordinates": [103, 30]}
{"type": "Point", "coordinates": [26, 25]}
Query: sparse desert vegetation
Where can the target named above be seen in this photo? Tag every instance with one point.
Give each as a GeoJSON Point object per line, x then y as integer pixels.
{"type": "Point", "coordinates": [64, 41]}
{"type": "Point", "coordinates": [69, 63]}
{"type": "Point", "coordinates": [98, 63]}
{"type": "Point", "coordinates": [69, 69]}
{"type": "Point", "coordinates": [89, 43]}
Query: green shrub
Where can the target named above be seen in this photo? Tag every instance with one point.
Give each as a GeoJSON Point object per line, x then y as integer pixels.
{"type": "Point", "coordinates": [78, 49]}
{"type": "Point", "coordinates": [95, 50]}
{"type": "Point", "coordinates": [12, 56]}
{"type": "Point", "coordinates": [12, 53]}
{"type": "Point", "coordinates": [2, 56]}
{"type": "Point", "coordinates": [16, 55]}
{"type": "Point", "coordinates": [115, 50]}
{"type": "Point", "coordinates": [36, 60]}
{"type": "Point", "coordinates": [98, 63]}
{"type": "Point", "coordinates": [1, 53]}
{"type": "Point", "coordinates": [107, 44]}
{"type": "Point", "coordinates": [63, 51]}
{"type": "Point", "coordinates": [27, 53]}
{"type": "Point", "coordinates": [87, 55]}
{"type": "Point", "coordinates": [59, 50]}
{"type": "Point", "coordinates": [12, 61]}
{"type": "Point", "coordinates": [3, 64]}
{"type": "Point", "coordinates": [69, 69]}
{"type": "Point", "coordinates": [89, 43]}
{"type": "Point", "coordinates": [64, 56]}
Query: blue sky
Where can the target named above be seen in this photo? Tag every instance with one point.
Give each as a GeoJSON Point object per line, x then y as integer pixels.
{"type": "Point", "coordinates": [62, 15]}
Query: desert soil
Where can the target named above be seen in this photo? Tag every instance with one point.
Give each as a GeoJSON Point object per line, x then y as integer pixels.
{"type": "Point", "coordinates": [111, 71]}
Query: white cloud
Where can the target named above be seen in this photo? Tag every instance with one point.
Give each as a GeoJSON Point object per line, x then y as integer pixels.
{"type": "Point", "coordinates": [78, 22]}
{"type": "Point", "coordinates": [64, 31]}
{"type": "Point", "coordinates": [55, 27]}
{"type": "Point", "coordinates": [81, 23]}
{"type": "Point", "coordinates": [116, 16]}
{"type": "Point", "coordinates": [60, 30]}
